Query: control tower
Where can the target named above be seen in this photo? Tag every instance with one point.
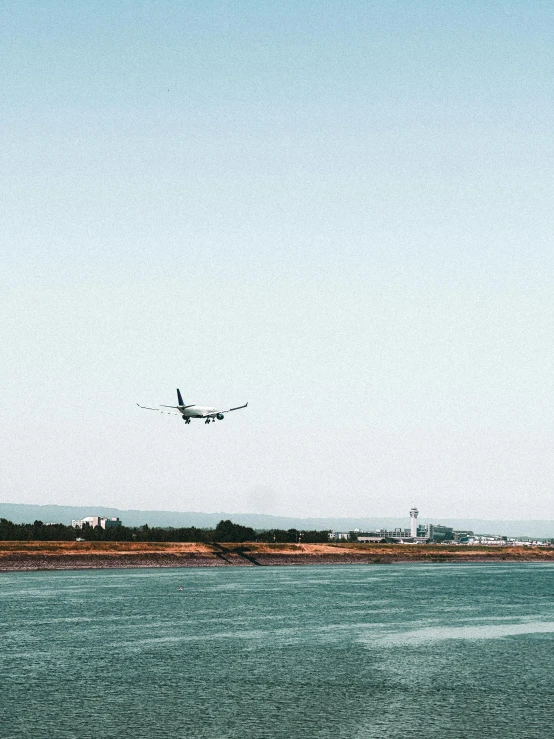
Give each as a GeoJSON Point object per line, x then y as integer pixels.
{"type": "Point", "coordinates": [413, 521]}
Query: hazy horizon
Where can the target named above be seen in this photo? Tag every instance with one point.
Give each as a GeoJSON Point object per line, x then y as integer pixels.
{"type": "Point", "coordinates": [24, 513]}
{"type": "Point", "coordinates": [338, 212]}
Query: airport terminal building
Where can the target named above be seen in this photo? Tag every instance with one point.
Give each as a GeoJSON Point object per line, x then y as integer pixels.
{"type": "Point", "coordinates": [94, 521]}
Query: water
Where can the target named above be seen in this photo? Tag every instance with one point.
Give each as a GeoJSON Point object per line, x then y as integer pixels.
{"type": "Point", "coordinates": [361, 652]}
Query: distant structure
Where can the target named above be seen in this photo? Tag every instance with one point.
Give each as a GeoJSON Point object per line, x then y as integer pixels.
{"type": "Point", "coordinates": [423, 534]}
{"type": "Point", "coordinates": [413, 522]}
{"type": "Point", "coordinates": [433, 533]}
{"type": "Point", "coordinates": [94, 521]}
{"type": "Point", "coordinates": [340, 535]}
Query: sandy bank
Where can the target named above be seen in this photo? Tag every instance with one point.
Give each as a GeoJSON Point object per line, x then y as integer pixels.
{"type": "Point", "coordinates": [38, 555]}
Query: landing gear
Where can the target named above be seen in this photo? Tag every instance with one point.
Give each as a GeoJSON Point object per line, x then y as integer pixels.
{"type": "Point", "coordinates": [207, 420]}
{"type": "Point", "coordinates": [185, 419]}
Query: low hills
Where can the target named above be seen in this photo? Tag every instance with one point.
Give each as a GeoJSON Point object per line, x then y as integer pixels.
{"type": "Point", "coordinates": [26, 513]}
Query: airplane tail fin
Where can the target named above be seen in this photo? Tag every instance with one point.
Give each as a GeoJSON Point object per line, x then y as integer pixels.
{"type": "Point", "coordinates": [179, 398]}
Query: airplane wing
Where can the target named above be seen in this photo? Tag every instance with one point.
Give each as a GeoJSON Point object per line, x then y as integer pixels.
{"type": "Point", "coordinates": [238, 407]}
{"type": "Point", "coordinates": [180, 407]}
{"type": "Point", "coordinates": [147, 408]}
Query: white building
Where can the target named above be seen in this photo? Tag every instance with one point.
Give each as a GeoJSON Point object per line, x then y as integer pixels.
{"type": "Point", "coordinates": [94, 521]}
{"type": "Point", "coordinates": [339, 535]}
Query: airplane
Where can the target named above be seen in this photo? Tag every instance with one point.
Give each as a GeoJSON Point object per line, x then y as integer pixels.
{"type": "Point", "coordinates": [193, 411]}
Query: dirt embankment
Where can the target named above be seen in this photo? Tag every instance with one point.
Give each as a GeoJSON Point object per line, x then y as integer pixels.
{"type": "Point", "coordinates": [69, 555]}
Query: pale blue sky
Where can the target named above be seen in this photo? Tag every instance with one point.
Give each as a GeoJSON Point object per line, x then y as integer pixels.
{"type": "Point", "coordinates": [341, 212]}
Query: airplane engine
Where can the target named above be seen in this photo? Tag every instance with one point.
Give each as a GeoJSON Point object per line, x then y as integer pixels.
{"type": "Point", "coordinates": [220, 416]}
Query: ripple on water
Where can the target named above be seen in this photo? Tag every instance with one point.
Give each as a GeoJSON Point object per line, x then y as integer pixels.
{"type": "Point", "coordinates": [250, 653]}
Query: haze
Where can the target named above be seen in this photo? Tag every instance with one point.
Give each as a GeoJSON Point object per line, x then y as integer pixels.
{"type": "Point", "coordinates": [340, 212]}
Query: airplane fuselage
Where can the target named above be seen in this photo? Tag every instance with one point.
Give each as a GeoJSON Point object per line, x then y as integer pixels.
{"type": "Point", "coordinates": [197, 411]}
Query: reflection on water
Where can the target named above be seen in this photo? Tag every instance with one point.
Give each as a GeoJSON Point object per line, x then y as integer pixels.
{"type": "Point", "coordinates": [486, 631]}
{"type": "Point", "coordinates": [344, 651]}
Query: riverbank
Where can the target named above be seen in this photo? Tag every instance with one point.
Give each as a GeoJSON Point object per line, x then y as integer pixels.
{"type": "Point", "coordinates": [64, 555]}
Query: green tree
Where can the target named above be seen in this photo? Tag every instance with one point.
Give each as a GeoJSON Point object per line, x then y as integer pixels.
{"type": "Point", "coordinates": [227, 531]}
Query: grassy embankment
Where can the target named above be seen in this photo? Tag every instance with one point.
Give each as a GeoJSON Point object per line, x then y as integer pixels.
{"type": "Point", "coordinates": [40, 555]}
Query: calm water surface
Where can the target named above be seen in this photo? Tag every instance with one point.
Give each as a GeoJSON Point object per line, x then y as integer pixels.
{"type": "Point", "coordinates": [279, 652]}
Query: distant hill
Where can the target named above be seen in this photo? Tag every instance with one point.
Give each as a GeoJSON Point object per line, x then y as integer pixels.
{"type": "Point", "coordinates": [24, 513]}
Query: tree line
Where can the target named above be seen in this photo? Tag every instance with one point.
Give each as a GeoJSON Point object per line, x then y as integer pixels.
{"type": "Point", "coordinates": [225, 531]}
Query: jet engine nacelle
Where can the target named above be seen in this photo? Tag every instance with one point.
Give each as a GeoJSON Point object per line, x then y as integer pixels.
{"type": "Point", "coordinates": [220, 416]}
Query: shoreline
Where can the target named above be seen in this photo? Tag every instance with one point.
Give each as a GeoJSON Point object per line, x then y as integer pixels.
{"type": "Point", "coordinates": [18, 556]}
